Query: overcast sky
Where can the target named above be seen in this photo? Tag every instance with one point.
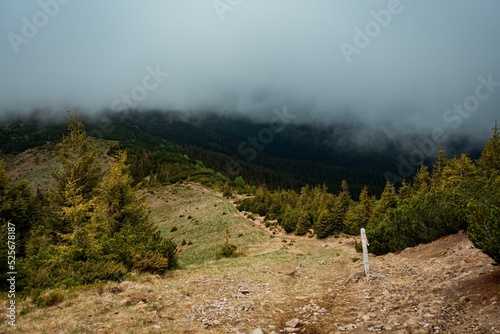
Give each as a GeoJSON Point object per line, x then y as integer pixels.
{"type": "Point", "coordinates": [248, 56]}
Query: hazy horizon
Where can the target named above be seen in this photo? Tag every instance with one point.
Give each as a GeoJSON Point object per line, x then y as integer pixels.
{"type": "Point", "coordinates": [406, 65]}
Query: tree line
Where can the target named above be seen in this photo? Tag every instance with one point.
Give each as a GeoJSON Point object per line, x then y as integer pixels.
{"type": "Point", "coordinates": [451, 195]}
{"type": "Point", "coordinates": [91, 226]}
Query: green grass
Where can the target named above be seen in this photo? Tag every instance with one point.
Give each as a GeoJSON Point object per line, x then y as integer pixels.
{"type": "Point", "coordinates": [210, 215]}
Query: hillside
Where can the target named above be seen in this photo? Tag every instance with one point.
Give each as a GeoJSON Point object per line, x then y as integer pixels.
{"type": "Point", "coordinates": [300, 154]}
{"type": "Point", "coordinates": [447, 286]}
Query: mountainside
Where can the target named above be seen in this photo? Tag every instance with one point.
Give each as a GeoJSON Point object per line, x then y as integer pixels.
{"type": "Point", "coordinates": [283, 283]}
{"type": "Point", "coordinates": [286, 156]}
{"type": "Point", "coordinates": [447, 286]}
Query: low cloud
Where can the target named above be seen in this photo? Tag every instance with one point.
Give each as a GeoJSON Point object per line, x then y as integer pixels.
{"type": "Point", "coordinates": [259, 56]}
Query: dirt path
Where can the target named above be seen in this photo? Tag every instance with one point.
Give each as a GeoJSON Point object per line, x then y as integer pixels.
{"type": "Point", "coordinates": [302, 284]}
{"type": "Point", "coordinates": [447, 286]}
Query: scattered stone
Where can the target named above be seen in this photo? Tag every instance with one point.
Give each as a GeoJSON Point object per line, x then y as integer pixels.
{"type": "Point", "coordinates": [257, 331]}
{"type": "Point", "coordinates": [351, 327]}
{"type": "Point", "coordinates": [292, 323]}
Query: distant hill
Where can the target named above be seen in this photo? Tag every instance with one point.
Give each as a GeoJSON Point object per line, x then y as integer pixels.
{"type": "Point", "coordinates": [296, 155]}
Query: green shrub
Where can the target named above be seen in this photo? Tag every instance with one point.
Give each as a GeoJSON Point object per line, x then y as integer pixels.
{"type": "Point", "coordinates": [484, 217]}
{"type": "Point", "coordinates": [227, 249]}
{"type": "Point", "coordinates": [422, 218]}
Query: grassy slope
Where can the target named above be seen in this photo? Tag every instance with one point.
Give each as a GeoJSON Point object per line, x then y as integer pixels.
{"type": "Point", "coordinates": [284, 277]}
{"type": "Point", "coordinates": [201, 217]}
{"type": "Point", "coordinates": [275, 282]}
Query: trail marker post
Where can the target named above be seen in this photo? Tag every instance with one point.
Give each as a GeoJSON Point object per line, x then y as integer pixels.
{"type": "Point", "coordinates": [364, 244]}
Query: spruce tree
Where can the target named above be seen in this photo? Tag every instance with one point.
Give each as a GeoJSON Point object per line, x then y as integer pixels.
{"type": "Point", "coordinates": [303, 223]}
{"type": "Point", "coordinates": [76, 179]}
{"type": "Point", "coordinates": [359, 214]}
{"type": "Point", "coordinates": [439, 165]}
{"type": "Point", "coordinates": [325, 225]}
{"type": "Point", "coordinates": [489, 161]}
{"type": "Point", "coordinates": [484, 216]}
{"type": "Point", "coordinates": [130, 234]}
{"type": "Point", "coordinates": [421, 180]}
{"type": "Point", "coordinates": [18, 212]}
{"type": "Point", "coordinates": [96, 227]}
{"type": "Point", "coordinates": [340, 208]}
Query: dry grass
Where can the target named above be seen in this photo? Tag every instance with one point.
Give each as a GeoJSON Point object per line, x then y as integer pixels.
{"type": "Point", "coordinates": [313, 280]}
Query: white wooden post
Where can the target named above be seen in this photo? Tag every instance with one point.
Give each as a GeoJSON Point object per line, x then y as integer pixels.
{"type": "Point", "coordinates": [364, 244]}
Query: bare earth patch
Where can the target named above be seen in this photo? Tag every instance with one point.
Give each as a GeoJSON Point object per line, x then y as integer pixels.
{"type": "Point", "coordinates": [302, 284]}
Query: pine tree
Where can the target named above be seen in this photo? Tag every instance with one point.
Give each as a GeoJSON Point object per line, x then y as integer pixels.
{"type": "Point", "coordinates": [95, 230]}
{"type": "Point", "coordinates": [489, 161]}
{"type": "Point", "coordinates": [303, 223]}
{"type": "Point", "coordinates": [18, 212]}
{"type": "Point", "coordinates": [289, 219]}
{"type": "Point", "coordinates": [457, 170]}
{"type": "Point", "coordinates": [439, 165]}
{"type": "Point", "coordinates": [388, 200]}
{"type": "Point", "coordinates": [77, 177]}
{"type": "Point", "coordinates": [340, 208]}
{"type": "Point", "coordinates": [79, 159]}
{"type": "Point", "coordinates": [130, 234]}
{"type": "Point", "coordinates": [422, 180]}
{"type": "Point", "coordinates": [484, 216]}
{"type": "Point", "coordinates": [325, 225]}
{"type": "Point", "coordinates": [358, 215]}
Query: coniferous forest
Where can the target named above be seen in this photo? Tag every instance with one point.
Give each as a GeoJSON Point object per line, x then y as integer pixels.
{"type": "Point", "coordinates": [92, 225]}
{"type": "Point", "coordinates": [451, 195]}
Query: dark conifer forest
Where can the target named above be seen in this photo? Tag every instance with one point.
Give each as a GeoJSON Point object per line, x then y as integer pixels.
{"type": "Point", "coordinates": [91, 225]}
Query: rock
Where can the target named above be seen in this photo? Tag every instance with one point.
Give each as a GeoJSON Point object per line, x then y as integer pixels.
{"type": "Point", "coordinates": [257, 331]}
{"type": "Point", "coordinates": [292, 323]}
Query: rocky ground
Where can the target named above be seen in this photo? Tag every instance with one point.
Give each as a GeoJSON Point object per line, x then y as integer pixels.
{"type": "Point", "coordinates": [284, 284]}
{"type": "Point", "coordinates": [447, 286]}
